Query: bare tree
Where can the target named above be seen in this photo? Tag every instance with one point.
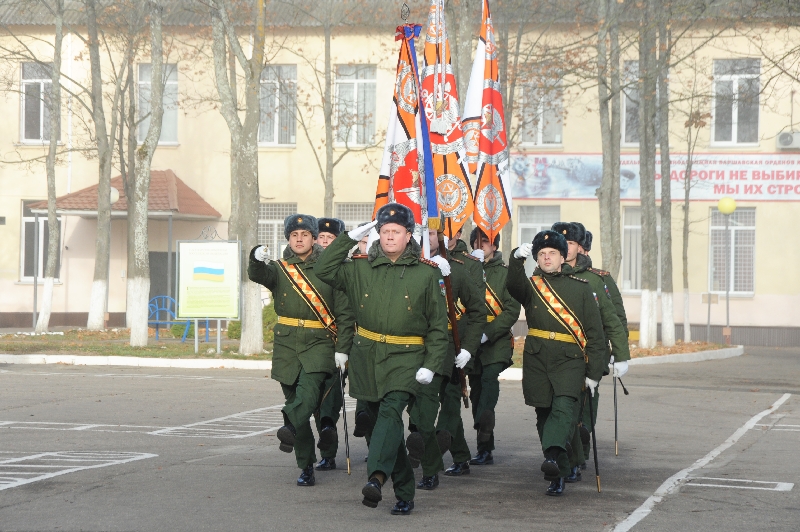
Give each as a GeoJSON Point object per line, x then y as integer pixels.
{"type": "Point", "coordinates": [54, 103]}
{"type": "Point", "coordinates": [243, 223]}
{"type": "Point", "coordinates": [664, 53]}
{"type": "Point", "coordinates": [139, 276]}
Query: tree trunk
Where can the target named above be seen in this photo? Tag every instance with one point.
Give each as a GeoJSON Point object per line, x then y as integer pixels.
{"type": "Point", "coordinates": [327, 111]}
{"type": "Point", "coordinates": [614, 261]}
{"type": "Point", "coordinates": [43, 321]}
{"type": "Point", "coordinates": [139, 276]}
{"type": "Point", "coordinates": [687, 330]}
{"type": "Point", "coordinates": [648, 73]}
{"type": "Point", "coordinates": [667, 309]}
{"type": "Point", "coordinates": [129, 174]}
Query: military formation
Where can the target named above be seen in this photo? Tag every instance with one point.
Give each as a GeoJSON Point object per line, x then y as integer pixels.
{"type": "Point", "coordinates": [416, 338]}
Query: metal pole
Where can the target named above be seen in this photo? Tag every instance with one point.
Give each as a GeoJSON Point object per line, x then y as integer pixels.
{"type": "Point", "coordinates": [727, 272]}
{"type": "Point", "coordinates": [169, 256]}
{"type": "Point", "coordinates": [219, 336]}
{"type": "Point", "coordinates": [35, 267]}
{"type": "Point", "coordinates": [196, 338]}
{"type": "Point", "coordinates": [708, 321]}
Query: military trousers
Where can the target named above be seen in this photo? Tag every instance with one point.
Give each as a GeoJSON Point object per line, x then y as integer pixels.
{"type": "Point", "coordinates": [302, 399]}
{"type": "Point", "coordinates": [387, 446]}
{"type": "Point", "coordinates": [484, 394]}
{"type": "Point", "coordinates": [555, 425]}
{"type": "Point", "coordinates": [330, 408]}
{"type": "Point", "coordinates": [422, 416]}
{"type": "Point", "coordinates": [450, 420]}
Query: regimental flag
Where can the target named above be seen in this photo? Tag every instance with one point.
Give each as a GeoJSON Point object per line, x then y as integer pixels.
{"type": "Point", "coordinates": [400, 178]}
{"type": "Point", "coordinates": [439, 97]}
{"type": "Point", "coordinates": [208, 271]}
{"type": "Point", "coordinates": [485, 134]}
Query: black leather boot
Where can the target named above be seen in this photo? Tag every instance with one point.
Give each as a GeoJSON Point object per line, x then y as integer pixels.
{"type": "Point", "coordinates": [556, 487]}
{"type": "Point", "coordinates": [372, 493]}
{"type": "Point", "coordinates": [416, 448]}
{"type": "Point", "coordinates": [574, 475]}
{"type": "Point", "coordinates": [457, 469]}
{"type": "Point", "coordinates": [327, 437]}
{"type": "Point", "coordinates": [363, 424]}
{"type": "Point", "coordinates": [428, 483]}
{"type": "Point", "coordinates": [482, 458]}
{"type": "Point", "coordinates": [326, 464]}
{"type": "Point", "coordinates": [307, 476]}
{"type": "Point", "coordinates": [403, 507]}
{"type": "Point", "coordinates": [286, 436]}
{"type": "Point", "coordinates": [444, 439]}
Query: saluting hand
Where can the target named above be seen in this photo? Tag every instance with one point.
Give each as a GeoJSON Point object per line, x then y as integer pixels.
{"type": "Point", "coordinates": [524, 251]}
{"type": "Point", "coordinates": [261, 254]}
{"type": "Point", "coordinates": [360, 232]}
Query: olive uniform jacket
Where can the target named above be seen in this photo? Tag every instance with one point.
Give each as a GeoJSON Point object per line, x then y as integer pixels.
{"type": "Point", "coordinates": [308, 348]}
{"type": "Point", "coordinates": [500, 346]}
{"type": "Point", "coordinates": [470, 295]}
{"type": "Point", "coordinates": [612, 291]}
{"type": "Point", "coordinates": [552, 367]}
{"type": "Point", "coordinates": [614, 331]}
{"type": "Point", "coordinates": [401, 298]}
{"type": "Point", "coordinates": [474, 266]}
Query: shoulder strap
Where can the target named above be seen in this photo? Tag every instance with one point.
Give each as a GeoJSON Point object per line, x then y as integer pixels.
{"type": "Point", "coordinates": [559, 310]}
{"type": "Point", "coordinates": [493, 303]}
{"type": "Point", "coordinates": [303, 286]}
{"type": "Point", "coordinates": [599, 272]}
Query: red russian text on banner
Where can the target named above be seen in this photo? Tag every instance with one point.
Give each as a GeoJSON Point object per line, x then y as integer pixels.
{"type": "Point", "coordinates": [485, 135]}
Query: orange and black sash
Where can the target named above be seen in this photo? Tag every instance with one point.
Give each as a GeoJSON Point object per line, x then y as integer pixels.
{"type": "Point", "coordinates": [310, 295]}
{"type": "Point", "coordinates": [493, 302]}
{"type": "Point", "coordinates": [559, 310]}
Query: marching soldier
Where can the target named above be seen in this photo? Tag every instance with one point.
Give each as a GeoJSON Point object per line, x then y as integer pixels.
{"type": "Point", "coordinates": [331, 406]}
{"type": "Point", "coordinates": [497, 345]}
{"type": "Point", "coordinates": [564, 347]}
{"type": "Point", "coordinates": [613, 330]}
{"type": "Point", "coordinates": [423, 413]}
{"type": "Point", "coordinates": [314, 329]}
{"type": "Point", "coordinates": [611, 286]}
{"type": "Point", "coordinates": [399, 304]}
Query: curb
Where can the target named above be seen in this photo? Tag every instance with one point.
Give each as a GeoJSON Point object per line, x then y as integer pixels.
{"type": "Point", "coordinates": [186, 363]}
{"type": "Point", "coordinates": [515, 374]}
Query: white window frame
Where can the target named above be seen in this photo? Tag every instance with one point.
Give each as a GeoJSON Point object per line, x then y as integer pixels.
{"type": "Point", "coordinates": [734, 228]}
{"type": "Point", "coordinates": [550, 99]}
{"type": "Point", "coordinates": [41, 244]}
{"type": "Point", "coordinates": [344, 212]}
{"type": "Point", "coordinates": [272, 214]}
{"type": "Point", "coordinates": [170, 86]}
{"type": "Point", "coordinates": [44, 115]}
{"type": "Point", "coordinates": [290, 87]}
{"type": "Point", "coordinates": [625, 266]}
{"type": "Point", "coordinates": [352, 138]}
{"type": "Point", "coordinates": [734, 78]}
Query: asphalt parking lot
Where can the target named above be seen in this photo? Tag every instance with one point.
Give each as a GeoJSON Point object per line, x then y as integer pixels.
{"type": "Point", "coordinates": [703, 446]}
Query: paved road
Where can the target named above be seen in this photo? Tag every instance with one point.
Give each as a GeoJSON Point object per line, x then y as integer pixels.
{"type": "Point", "coordinates": [87, 448]}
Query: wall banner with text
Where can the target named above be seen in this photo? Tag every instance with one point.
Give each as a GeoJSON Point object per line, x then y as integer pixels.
{"type": "Point", "coordinates": [208, 279]}
{"type": "Point", "coordinates": [744, 177]}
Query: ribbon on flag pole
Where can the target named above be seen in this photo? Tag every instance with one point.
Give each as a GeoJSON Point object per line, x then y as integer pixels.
{"type": "Point", "coordinates": [400, 178]}
{"type": "Point", "coordinates": [485, 134]}
{"type": "Point", "coordinates": [439, 99]}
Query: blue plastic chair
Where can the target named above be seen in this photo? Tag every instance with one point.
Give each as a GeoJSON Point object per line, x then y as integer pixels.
{"type": "Point", "coordinates": [162, 312]}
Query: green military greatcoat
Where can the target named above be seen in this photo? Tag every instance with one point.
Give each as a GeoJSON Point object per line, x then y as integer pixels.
{"type": "Point", "coordinates": [302, 347]}
{"type": "Point", "coordinates": [499, 347]}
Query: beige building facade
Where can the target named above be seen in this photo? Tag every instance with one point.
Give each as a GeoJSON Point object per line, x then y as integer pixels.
{"type": "Point", "coordinates": [556, 167]}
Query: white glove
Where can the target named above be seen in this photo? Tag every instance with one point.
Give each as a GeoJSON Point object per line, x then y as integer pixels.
{"type": "Point", "coordinates": [478, 254]}
{"type": "Point", "coordinates": [620, 369]}
{"type": "Point", "coordinates": [341, 360]}
{"type": "Point", "coordinates": [360, 232]}
{"type": "Point", "coordinates": [462, 359]}
{"type": "Point", "coordinates": [591, 385]}
{"type": "Point", "coordinates": [611, 360]}
{"type": "Point", "coordinates": [261, 253]}
{"type": "Point", "coordinates": [424, 376]}
{"type": "Point", "coordinates": [446, 242]}
{"type": "Point", "coordinates": [443, 264]}
{"type": "Point", "coordinates": [484, 338]}
{"type": "Point", "coordinates": [524, 251]}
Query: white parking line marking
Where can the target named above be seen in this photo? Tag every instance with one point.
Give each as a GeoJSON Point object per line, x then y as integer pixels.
{"type": "Point", "coordinates": [133, 376]}
{"type": "Point", "coordinates": [737, 483]}
{"type": "Point", "coordinates": [21, 470]}
{"type": "Point", "coordinates": [673, 483]}
{"type": "Point", "coordinates": [93, 427]}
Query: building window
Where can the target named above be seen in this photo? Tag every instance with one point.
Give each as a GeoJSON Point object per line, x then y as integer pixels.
{"type": "Point", "coordinates": [353, 214]}
{"type": "Point", "coordinates": [37, 90]}
{"type": "Point", "coordinates": [278, 104]}
{"type": "Point", "coordinates": [169, 123]}
{"type": "Point", "coordinates": [270, 226]}
{"type": "Point", "coordinates": [355, 104]}
{"type": "Point", "coordinates": [736, 88]}
{"type": "Point", "coordinates": [530, 220]}
{"type": "Point", "coordinates": [740, 259]}
{"type": "Point", "coordinates": [632, 249]}
{"type": "Point", "coordinates": [34, 250]}
{"type": "Point", "coordinates": [541, 114]}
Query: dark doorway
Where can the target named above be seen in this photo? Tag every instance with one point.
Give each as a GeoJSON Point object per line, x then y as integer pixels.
{"type": "Point", "coordinates": [160, 275]}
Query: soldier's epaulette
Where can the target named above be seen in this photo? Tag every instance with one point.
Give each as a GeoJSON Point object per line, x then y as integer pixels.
{"type": "Point", "coordinates": [360, 256]}
{"type": "Point", "coordinates": [476, 259]}
{"type": "Point", "coordinates": [429, 262]}
{"type": "Point", "coordinates": [599, 272]}
{"type": "Point", "coordinates": [456, 260]}
{"type": "Point", "coordinates": [578, 279]}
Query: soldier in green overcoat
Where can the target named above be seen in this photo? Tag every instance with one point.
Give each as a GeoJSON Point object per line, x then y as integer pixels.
{"type": "Point", "coordinates": [614, 332]}
{"type": "Point", "coordinates": [497, 344]}
{"type": "Point", "coordinates": [563, 349]}
{"type": "Point", "coordinates": [401, 339]}
{"type": "Point", "coordinates": [331, 406]}
{"type": "Point", "coordinates": [436, 437]}
{"type": "Point", "coordinates": [313, 333]}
